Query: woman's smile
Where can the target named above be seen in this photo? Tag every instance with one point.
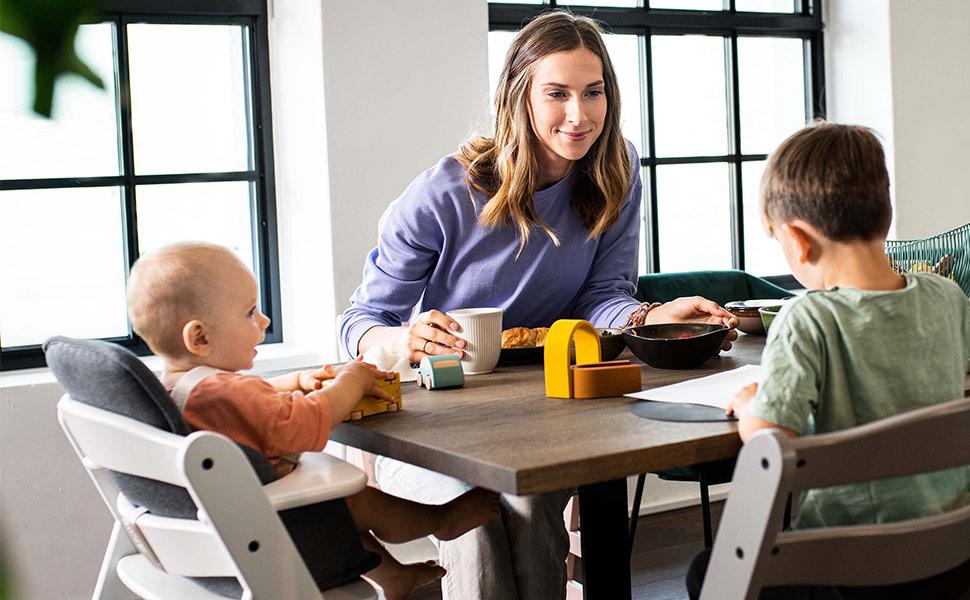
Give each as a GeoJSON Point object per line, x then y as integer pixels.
{"type": "Point", "coordinates": [575, 136]}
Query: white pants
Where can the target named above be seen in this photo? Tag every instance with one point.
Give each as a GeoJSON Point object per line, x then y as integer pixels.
{"type": "Point", "coordinates": [520, 556]}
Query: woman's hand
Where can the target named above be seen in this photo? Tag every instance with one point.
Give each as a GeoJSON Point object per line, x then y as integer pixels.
{"type": "Point", "coordinates": [428, 335]}
{"type": "Point", "coordinates": [695, 309]}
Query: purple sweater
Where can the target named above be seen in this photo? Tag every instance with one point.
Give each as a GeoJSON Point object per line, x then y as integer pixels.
{"type": "Point", "coordinates": [432, 252]}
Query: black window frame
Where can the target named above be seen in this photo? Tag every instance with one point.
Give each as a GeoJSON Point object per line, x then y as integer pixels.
{"type": "Point", "coordinates": [805, 24]}
{"type": "Point", "coordinates": [254, 15]}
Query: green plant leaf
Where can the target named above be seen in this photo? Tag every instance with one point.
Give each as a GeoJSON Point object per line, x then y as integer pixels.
{"type": "Point", "coordinates": [50, 28]}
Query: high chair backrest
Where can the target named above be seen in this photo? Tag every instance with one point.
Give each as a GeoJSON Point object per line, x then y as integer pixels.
{"type": "Point", "coordinates": [751, 551]}
{"type": "Point", "coordinates": [257, 549]}
{"type": "Point", "coordinates": [110, 377]}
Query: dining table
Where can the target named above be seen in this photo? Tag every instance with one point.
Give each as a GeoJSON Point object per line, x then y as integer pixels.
{"type": "Point", "coordinates": [501, 432]}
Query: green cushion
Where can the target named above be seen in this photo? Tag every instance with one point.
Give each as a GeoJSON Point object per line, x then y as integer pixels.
{"type": "Point", "coordinates": [720, 286]}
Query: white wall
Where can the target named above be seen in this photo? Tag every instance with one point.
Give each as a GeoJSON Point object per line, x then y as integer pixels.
{"type": "Point", "coordinates": [930, 43]}
{"type": "Point", "coordinates": [902, 67]}
{"type": "Point", "coordinates": [404, 82]}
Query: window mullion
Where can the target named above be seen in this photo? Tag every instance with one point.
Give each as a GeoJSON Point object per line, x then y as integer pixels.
{"type": "Point", "coordinates": [129, 220]}
{"type": "Point", "coordinates": [652, 210]}
{"type": "Point", "coordinates": [733, 97]}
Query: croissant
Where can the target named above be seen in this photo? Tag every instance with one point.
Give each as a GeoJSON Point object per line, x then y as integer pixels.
{"type": "Point", "coordinates": [518, 337]}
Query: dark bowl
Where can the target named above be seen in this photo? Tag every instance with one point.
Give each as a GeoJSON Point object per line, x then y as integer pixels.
{"type": "Point", "coordinates": [675, 345]}
{"type": "Point", "coordinates": [612, 343]}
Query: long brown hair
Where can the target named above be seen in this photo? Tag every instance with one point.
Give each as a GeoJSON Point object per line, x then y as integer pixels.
{"type": "Point", "coordinates": [505, 167]}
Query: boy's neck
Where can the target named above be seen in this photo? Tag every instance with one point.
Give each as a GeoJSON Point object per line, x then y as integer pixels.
{"type": "Point", "coordinates": [862, 265]}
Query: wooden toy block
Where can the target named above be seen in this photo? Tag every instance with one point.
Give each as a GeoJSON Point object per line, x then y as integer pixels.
{"type": "Point", "coordinates": [605, 379]}
{"type": "Point", "coordinates": [559, 380]}
{"type": "Point", "coordinates": [371, 405]}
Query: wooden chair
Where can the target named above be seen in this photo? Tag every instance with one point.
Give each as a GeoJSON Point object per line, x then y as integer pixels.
{"type": "Point", "coordinates": [752, 551]}
{"type": "Point", "coordinates": [197, 518]}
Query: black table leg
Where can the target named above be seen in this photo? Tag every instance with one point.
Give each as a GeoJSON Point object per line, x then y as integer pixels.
{"type": "Point", "coordinates": [606, 549]}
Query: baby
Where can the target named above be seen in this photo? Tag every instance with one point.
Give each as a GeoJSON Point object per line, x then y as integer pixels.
{"type": "Point", "coordinates": [195, 304]}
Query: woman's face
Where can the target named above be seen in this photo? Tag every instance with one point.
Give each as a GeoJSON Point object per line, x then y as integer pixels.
{"type": "Point", "coordinates": [567, 105]}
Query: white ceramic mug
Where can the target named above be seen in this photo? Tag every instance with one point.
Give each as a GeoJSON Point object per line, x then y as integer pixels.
{"type": "Point", "coordinates": [481, 328]}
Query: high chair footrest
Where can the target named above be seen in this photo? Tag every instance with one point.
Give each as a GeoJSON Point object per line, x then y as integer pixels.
{"type": "Point", "coordinates": [150, 583]}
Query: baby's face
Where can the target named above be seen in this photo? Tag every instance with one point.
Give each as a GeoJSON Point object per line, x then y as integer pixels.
{"type": "Point", "coordinates": [236, 326]}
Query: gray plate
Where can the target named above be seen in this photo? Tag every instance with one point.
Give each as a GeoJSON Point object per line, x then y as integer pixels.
{"type": "Point", "coordinates": [668, 411]}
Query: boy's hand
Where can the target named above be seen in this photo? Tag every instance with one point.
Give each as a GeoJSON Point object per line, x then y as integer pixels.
{"type": "Point", "coordinates": [741, 399]}
{"type": "Point", "coordinates": [364, 376]}
{"type": "Point", "coordinates": [312, 379]}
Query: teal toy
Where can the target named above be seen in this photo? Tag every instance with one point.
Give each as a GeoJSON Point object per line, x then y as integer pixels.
{"type": "Point", "coordinates": [438, 372]}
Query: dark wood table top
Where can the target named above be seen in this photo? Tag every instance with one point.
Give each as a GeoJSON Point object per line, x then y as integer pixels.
{"type": "Point", "coordinates": [501, 432]}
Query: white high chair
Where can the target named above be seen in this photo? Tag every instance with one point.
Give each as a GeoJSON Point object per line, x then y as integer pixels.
{"type": "Point", "coordinates": [228, 525]}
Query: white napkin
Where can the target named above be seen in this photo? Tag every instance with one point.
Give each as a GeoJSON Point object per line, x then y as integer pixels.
{"type": "Point", "coordinates": [385, 360]}
{"type": "Point", "coordinates": [714, 390]}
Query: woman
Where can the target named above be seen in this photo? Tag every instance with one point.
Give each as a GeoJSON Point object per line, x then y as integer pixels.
{"type": "Point", "coordinates": [541, 220]}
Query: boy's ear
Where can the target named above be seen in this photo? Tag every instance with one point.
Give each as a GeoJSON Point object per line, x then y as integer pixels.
{"type": "Point", "coordinates": [804, 238]}
{"type": "Point", "coordinates": [195, 339]}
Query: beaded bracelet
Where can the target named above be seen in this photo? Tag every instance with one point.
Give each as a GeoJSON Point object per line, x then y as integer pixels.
{"type": "Point", "coordinates": [639, 314]}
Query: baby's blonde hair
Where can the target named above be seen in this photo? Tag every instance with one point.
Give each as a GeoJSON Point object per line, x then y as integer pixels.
{"type": "Point", "coordinates": [168, 288]}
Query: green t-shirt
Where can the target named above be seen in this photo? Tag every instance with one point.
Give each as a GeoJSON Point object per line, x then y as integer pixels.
{"type": "Point", "coordinates": [844, 357]}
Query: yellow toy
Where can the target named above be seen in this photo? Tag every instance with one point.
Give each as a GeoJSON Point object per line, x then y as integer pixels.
{"type": "Point", "coordinates": [371, 405]}
{"type": "Point", "coordinates": [559, 381]}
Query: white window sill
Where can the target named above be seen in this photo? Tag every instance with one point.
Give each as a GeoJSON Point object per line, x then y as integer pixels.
{"type": "Point", "coordinates": [269, 358]}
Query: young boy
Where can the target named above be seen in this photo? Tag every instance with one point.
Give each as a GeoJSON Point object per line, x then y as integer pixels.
{"type": "Point", "coordinates": [195, 305]}
{"type": "Point", "coordinates": [863, 344]}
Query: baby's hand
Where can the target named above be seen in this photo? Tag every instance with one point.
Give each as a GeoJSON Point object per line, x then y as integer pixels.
{"type": "Point", "coordinates": [312, 379]}
{"type": "Point", "coordinates": [739, 403]}
{"type": "Point", "coordinates": [365, 375]}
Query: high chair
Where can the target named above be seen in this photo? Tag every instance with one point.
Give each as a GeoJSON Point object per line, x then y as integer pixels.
{"type": "Point", "coordinates": [752, 551]}
{"type": "Point", "coordinates": [198, 517]}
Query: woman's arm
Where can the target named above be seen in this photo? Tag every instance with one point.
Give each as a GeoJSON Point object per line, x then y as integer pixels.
{"type": "Point", "coordinates": [410, 240]}
{"type": "Point", "coordinates": [607, 295]}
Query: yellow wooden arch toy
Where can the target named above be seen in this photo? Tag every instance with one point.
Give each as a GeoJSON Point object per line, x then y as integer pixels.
{"type": "Point", "coordinates": [559, 381]}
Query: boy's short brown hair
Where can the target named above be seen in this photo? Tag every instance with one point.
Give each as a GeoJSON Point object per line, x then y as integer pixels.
{"type": "Point", "coordinates": [834, 178]}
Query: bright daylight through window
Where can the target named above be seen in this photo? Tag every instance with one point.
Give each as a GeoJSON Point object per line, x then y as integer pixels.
{"type": "Point", "coordinates": [174, 148]}
{"type": "Point", "coordinates": [705, 97]}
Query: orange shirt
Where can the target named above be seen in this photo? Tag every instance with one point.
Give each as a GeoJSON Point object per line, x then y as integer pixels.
{"type": "Point", "coordinates": [249, 411]}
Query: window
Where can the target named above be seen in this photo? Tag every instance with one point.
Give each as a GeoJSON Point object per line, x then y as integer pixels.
{"type": "Point", "coordinates": [177, 146]}
{"type": "Point", "coordinates": [708, 89]}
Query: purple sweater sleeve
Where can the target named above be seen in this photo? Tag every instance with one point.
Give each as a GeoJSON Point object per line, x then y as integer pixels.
{"type": "Point", "coordinates": [606, 299]}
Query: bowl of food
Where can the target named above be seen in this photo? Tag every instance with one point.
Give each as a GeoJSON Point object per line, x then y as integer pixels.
{"type": "Point", "coordinates": [675, 345]}
{"type": "Point", "coordinates": [768, 314]}
{"type": "Point", "coordinates": [611, 342]}
{"type": "Point", "coordinates": [522, 345]}
{"type": "Point", "coordinates": [749, 319]}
